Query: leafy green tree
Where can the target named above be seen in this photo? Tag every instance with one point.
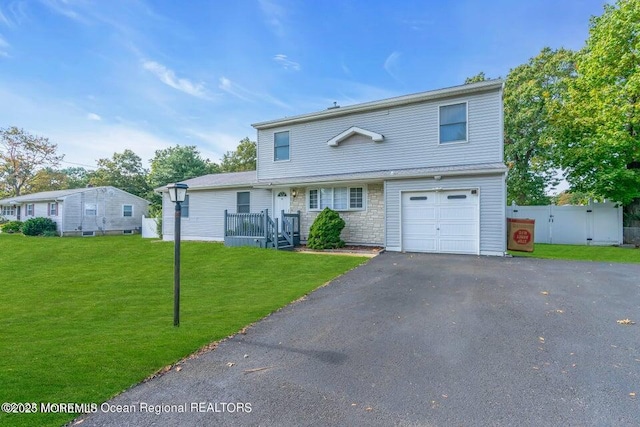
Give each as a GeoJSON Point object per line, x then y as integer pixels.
{"type": "Point", "coordinates": [599, 121]}
{"type": "Point", "coordinates": [77, 177]}
{"type": "Point", "coordinates": [530, 92]}
{"type": "Point", "coordinates": [175, 164]}
{"type": "Point", "coordinates": [480, 77]}
{"type": "Point", "coordinates": [48, 179]}
{"type": "Point", "coordinates": [124, 171]}
{"type": "Point", "coordinates": [22, 155]}
{"type": "Point", "coordinates": [242, 159]}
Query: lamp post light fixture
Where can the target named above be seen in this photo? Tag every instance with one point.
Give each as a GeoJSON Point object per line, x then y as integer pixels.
{"type": "Point", "coordinates": [177, 194]}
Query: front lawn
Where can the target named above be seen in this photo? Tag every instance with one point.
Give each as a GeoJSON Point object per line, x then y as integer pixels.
{"type": "Point", "coordinates": [85, 318]}
{"type": "Point", "coordinates": [583, 253]}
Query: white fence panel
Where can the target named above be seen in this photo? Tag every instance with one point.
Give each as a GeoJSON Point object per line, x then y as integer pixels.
{"type": "Point", "coordinates": [149, 228]}
{"type": "Point", "coordinates": [594, 224]}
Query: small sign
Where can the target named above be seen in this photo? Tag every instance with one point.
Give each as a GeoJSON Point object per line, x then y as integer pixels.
{"type": "Point", "coordinates": [520, 234]}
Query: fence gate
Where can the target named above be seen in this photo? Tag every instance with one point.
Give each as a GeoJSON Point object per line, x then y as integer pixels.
{"type": "Point", "coordinates": [594, 224]}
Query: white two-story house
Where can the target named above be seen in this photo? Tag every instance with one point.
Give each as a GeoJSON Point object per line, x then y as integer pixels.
{"type": "Point", "coordinates": [421, 172]}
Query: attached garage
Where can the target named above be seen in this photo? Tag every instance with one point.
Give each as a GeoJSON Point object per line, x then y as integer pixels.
{"type": "Point", "coordinates": [444, 221]}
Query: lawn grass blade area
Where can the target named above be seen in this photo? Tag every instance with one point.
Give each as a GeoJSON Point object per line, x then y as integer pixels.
{"type": "Point", "coordinates": [86, 318]}
{"type": "Point", "coordinates": [583, 253]}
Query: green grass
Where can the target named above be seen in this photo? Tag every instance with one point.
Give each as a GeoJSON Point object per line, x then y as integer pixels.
{"type": "Point", "coordinates": [582, 253]}
{"type": "Point", "coordinates": [85, 318]}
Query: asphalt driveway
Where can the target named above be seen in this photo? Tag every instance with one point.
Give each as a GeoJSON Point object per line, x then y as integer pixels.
{"type": "Point", "coordinates": [421, 340]}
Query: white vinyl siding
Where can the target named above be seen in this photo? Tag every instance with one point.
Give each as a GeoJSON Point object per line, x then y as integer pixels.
{"type": "Point", "coordinates": [336, 198]}
{"type": "Point", "coordinates": [492, 202]}
{"type": "Point", "coordinates": [411, 140]}
{"type": "Point", "coordinates": [206, 212]}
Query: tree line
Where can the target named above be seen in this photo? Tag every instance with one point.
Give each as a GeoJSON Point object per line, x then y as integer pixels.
{"type": "Point", "coordinates": [30, 164]}
{"type": "Point", "coordinates": [577, 114]}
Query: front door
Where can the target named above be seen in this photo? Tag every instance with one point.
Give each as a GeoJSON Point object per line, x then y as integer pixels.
{"type": "Point", "coordinates": [281, 202]}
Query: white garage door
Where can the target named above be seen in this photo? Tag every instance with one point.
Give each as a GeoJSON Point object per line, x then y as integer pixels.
{"type": "Point", "coordinates": [440, 221]}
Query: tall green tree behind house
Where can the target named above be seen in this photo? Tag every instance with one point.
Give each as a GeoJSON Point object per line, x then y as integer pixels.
{"type": "Point", "coordinates": [599, 122]}
{"type": "Point", "coordinates": [530, 92]}
{"type": "Point", "coordinates": [22, 155]}
{"type": "Point", "coordinates": [240, 160]}
{"type": "Point", "coordinates": [124, 171]}
{"type": "Point", "coordinates": [175, 164]}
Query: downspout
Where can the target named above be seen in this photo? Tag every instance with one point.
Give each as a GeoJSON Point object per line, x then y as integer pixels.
{"type": "Point", "coordinates": [58, 201]}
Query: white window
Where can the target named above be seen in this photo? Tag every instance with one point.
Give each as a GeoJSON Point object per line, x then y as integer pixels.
{"type": "Point", "coordinates": [53, 209]}
{"type": "Point", "coordinates": [184, 207]}
{"type": "Point", "coordinates": [281, 146]}
{"type": "Point", "coordinates": [244, 202]}
{"type": "Point", "coordinates": [8, 211]}
{"type": "Point", "coordinates": [453, 123]}
{"type": "Point", "coordinates": [90, 209]}
{"type": "Point", "coordinates": [336, 198]}
{"type": "Point", "coordinates": [127, 210]}
{"type": "Point", "coordinates": [30, 209]}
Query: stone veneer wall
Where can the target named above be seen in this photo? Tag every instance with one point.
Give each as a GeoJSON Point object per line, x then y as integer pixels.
{"type": "Point", "coordinates": [362, 227]}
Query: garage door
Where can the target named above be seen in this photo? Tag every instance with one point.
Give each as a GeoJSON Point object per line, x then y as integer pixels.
{"type": "Point", "coordinates": [440, 221]}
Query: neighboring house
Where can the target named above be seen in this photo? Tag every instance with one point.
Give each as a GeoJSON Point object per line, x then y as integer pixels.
{"type": "Point", "coordinates": [81, 211]}
{"type": "Point", "coordinates": [421, 172]}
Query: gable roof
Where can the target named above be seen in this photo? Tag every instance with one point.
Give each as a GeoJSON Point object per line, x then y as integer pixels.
{"type": "Point", "coordinates": [460, 90]}
{"type": "Point", "coordinates": [218, 180]}
{"type": "Point", "coordinates": [56, 195]}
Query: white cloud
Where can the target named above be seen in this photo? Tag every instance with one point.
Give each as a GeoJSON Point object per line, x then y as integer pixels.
{"type": "Point", "coordinates": [4, 47]}
{"type": "Point", "coordinates": [274, 16]}
{"type": "Point", "coordinates": [64, 8]}
{"type": "Point", "coordinates": [241, 92]}
{"type": "Point", "coordinates": [286, 63]}
{"type": "Point", "coordinates": [391, 65]}
{"type": "Point", "coordinates": [213, 144]}
{"type": "Point", "coordinates": [169, 78]}
{"type": "Point", "coordinates": [94, 117]}
{"type": "Point", "coordinates": [4, 20]}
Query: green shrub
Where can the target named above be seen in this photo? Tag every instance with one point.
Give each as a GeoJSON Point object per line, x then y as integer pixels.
{"type": "Point", "coordinates": [38, 226]}
{"type": "Point", "coordinates": [12, 227]}
{"type": "Point", "coordinates": [325, 231]}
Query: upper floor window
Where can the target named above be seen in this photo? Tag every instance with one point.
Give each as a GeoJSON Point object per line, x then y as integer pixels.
{"type": "Point", "coordinates": [281, 146]}
{"type": "Point", "coordinates": [53, 209]}
{"type": "Point", "coordinates": [127, 210]}
{"type": "Point", "coordinates": [30, 209]}
{"type": "Point", "coordinates": [336, 198]}
{"type": "Point", "coordinates": [453, 123]}
{"type": "Point", "coordinates": [90, 209]}
{"type": "Point", "coordinates": [244, 202]}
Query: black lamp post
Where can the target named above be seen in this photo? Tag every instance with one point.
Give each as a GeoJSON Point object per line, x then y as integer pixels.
{"type": "Point", "coordinates": [177, 194]}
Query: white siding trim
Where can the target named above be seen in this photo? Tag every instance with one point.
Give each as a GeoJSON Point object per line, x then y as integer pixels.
{"type": "Point", "coordinates": [354, 130]}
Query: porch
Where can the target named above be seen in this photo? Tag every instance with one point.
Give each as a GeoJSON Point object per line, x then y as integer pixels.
{"type": "Point", "coordinates": [260, 230]}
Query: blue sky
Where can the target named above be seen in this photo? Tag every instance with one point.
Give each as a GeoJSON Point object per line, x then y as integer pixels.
{"type": "Point", "coordinates": [97, 77]}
